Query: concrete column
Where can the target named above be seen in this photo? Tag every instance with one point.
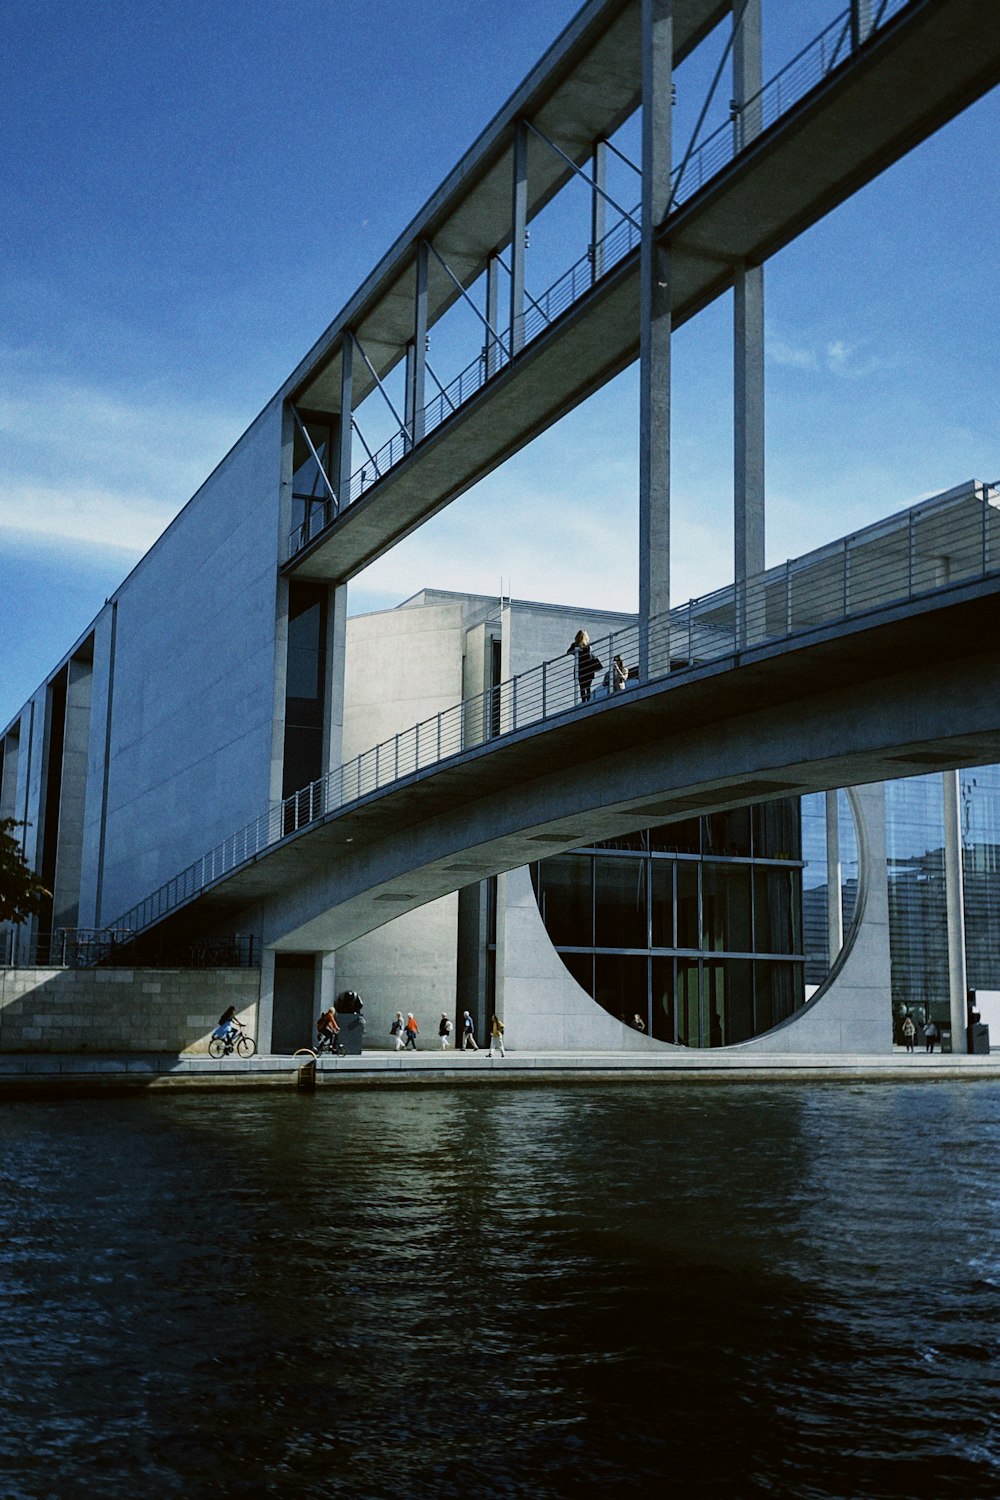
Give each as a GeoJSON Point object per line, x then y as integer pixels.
{"type": "Point", "coordinates": [598, 209]}
{"type": "Point", "coordinates": [336, 667]}
{"type": "Point", "coordinates": [834, 880]}
{"type": "Point", "coordinates": [265, 1008]}
{"type": "Point", "coordinates": [342, 470]}
{"type": "Point", "coordinates": [518, 235]}
{"type": "Point", "coordinates": [325, 981]}
{"type": "Point", "coordinates": [655, 319]}
{"type": "Point", "coordinates": [416, 385]}
{"type": "Point", "coordinates": [748, 359]}
{"type": "Point", "coordinates": [954, 896]}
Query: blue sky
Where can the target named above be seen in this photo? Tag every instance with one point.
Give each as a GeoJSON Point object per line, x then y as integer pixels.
{"type": "Point", "coordinates": [191, 192]}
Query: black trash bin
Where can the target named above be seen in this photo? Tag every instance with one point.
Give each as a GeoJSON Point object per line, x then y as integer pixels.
{"type": "Point", "coordinates": [351, 1020]}
{"type": "Point", "coordinates": [979, 1038]}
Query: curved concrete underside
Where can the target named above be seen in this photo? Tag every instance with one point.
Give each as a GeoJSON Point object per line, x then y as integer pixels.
{"type": "Point", "coordinates": [894, 694]}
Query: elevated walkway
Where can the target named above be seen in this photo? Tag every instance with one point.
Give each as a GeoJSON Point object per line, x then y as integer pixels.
{"type": "Point", "coordinates": [831, 123]}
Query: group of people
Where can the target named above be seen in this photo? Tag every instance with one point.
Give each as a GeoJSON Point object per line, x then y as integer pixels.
{"type": "Point", "coordinates": [405, 1032]}
{"type": "Point", "coordinates": [588, 665]}
{"type": "Point", "coordinates": [908, 1029]}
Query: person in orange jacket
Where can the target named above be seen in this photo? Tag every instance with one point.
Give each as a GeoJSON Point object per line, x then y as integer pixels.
{"type": "Point", "coordinates": [411, 1030]}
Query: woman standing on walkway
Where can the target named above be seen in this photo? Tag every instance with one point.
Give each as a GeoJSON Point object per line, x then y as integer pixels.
{"type": "Point", "coordinates": [496, 1035]}
{"type": "Point", "coordinates": [587, 664]}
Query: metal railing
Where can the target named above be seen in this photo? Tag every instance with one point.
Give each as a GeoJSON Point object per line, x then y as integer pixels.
{"type": "Point", "coordinates": [121, 947]}
{"type": "Point", "coordinates": [818, 59]}
{"type": "Point", "coordinates": [951, 539]}
{"type": "Point", "coordinates": [787, 88]}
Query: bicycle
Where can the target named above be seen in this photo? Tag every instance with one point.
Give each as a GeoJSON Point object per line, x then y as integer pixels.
{"type": "Point", "coordinates": [330, 1043]}
{"type": "Point", "coordinates": [238, 1042]}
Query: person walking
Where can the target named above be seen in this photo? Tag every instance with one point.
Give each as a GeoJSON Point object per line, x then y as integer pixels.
{"type": "Point", "coordinates": [496, 1035]}
{"type": "Point", "coordinates": [909, 1031]}
{"type": "Point", "coordinates": [444, 1030]}
{"type": "Point", "coordinates": [396, 1031]}
{"type": "Point", "coordinates": [468, 1033]}
{"type": "Point", "coordinates": [411, 1030]}
{"type": "Point", "coordinates": [930, 1035]}
{"type": "Point", "coordinates": [587, 664]}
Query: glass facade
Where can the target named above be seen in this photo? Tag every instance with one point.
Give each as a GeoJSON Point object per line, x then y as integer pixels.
{"type": "Point", "coordinates": [918, 928]}
{"type": "Point", "coordinates": [693, 932]}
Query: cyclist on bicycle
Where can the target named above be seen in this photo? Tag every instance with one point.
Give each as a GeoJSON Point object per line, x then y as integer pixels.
{"type": "Point", "coordinates": [327, 1029]}
{"type": "Point", "coordinates": [228, 1027]}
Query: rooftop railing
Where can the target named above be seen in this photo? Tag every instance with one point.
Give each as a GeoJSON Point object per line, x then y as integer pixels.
{"type": "Point", "coordinates": [952, 539]}
{"type": "Point", "coordinates": [809, 67]}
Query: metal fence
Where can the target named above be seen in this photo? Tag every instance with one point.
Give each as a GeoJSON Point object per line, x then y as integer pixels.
{"type": "Point", "coordinates": [121, 947]}
{"type": "Point", "coordinates": [952, 539]}
{"type": "Point", "coordinates": [815, 62]}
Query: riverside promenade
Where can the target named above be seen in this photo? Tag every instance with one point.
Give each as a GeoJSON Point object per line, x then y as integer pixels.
{"type": "Point", "coordinates": [60, 1074]}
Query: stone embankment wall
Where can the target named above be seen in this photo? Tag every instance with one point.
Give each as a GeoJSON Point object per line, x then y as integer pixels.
{"type": "Point", "coordinates": [121, 1010]}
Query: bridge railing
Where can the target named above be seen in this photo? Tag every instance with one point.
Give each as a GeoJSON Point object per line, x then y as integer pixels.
{"type": "Point", "coordinates": [809, 67]}
{"type": "Point", "coordinates": [942, 542]}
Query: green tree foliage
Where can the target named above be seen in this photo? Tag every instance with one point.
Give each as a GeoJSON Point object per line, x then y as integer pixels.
{"type": "Point", "coordinates": [21, 891]}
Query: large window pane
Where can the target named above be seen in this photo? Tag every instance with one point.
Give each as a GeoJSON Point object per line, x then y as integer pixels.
{"type": "Point", "coordinates": [621, 986]}
{"type": "Point", "coordinates": [565, 898]}
{"type": "Point", "coordinates": [688, 927]}
{"type": "Point", "coordinates": [777, 910]}
{"type": "Point", "coordinates": [677, 838]}
{"type": "Point", "coordinates": [662, 903]}
{"type": "Point", "coordinates": [621, 903]}
{"type": "Point", "coordinates": [779, 990]}
{"type": "Point", "coordinates": [688, 1002]}
{"type": "Point", "coordinates": [662, 1024]}
{"type": "Point", "coordinates": [725, 905]}
{"type": "Point", "coordinates": [776, 830]}
{"type": "Point", "coordinates": [727, 832]}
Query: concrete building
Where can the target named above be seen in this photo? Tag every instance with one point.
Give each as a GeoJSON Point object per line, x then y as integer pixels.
{"type": "Point", "coordinates": [193, 727]}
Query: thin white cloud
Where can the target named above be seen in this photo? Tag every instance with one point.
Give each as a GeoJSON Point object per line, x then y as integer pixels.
{"type": "Point", "coordinates": [104, 519]}
{"type": "Point", "coordinates": [781, 352]}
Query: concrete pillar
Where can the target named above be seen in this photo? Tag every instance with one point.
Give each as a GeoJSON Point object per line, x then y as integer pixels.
{"type": "Point", "coordinates": [954, 896]}
{"type": "Point", "coordinates": [336, 668]}
{"type": "Point", "coordinates": [518, 235]}
{"type": "Point", "coordinates": [325, 981]}
{"type": "Point", "coordinates": [265, 1007]}
{"type": "Point", "coordinates": [834, 880]}
{"type": "Point", "coordinates": [655, 319]}
{"type": "Point", "coordinates": [748, 359]}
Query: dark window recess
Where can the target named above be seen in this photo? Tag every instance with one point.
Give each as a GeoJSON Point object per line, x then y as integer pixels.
{"type": "Point", "coordinates": [53, 789]}
{"type": "Point", "coordinates": [304, 686]}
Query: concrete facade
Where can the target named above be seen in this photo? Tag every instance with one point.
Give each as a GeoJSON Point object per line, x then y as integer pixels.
{"type": "Point", "coordinates": [70, 1011]}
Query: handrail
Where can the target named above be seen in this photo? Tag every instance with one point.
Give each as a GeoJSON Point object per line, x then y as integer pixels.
{"type": "Point", "coordinates": [788, 86]}
{"type": "Point", "coordinates": [951, 539]}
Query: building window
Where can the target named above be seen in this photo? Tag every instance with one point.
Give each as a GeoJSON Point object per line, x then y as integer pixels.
{"type": "Point", "coordinates": [692, 932]}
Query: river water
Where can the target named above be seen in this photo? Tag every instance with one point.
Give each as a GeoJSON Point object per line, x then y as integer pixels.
{"type": "Point", "coordinates": [646, 1289]}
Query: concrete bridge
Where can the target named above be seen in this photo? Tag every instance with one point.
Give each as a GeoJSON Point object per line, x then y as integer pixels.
{"type": "Point", "coordinates": [888, 665]}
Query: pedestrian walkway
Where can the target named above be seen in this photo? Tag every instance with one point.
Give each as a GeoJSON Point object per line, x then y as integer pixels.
{"type": "Point", "coordinates": [37, 1074]}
